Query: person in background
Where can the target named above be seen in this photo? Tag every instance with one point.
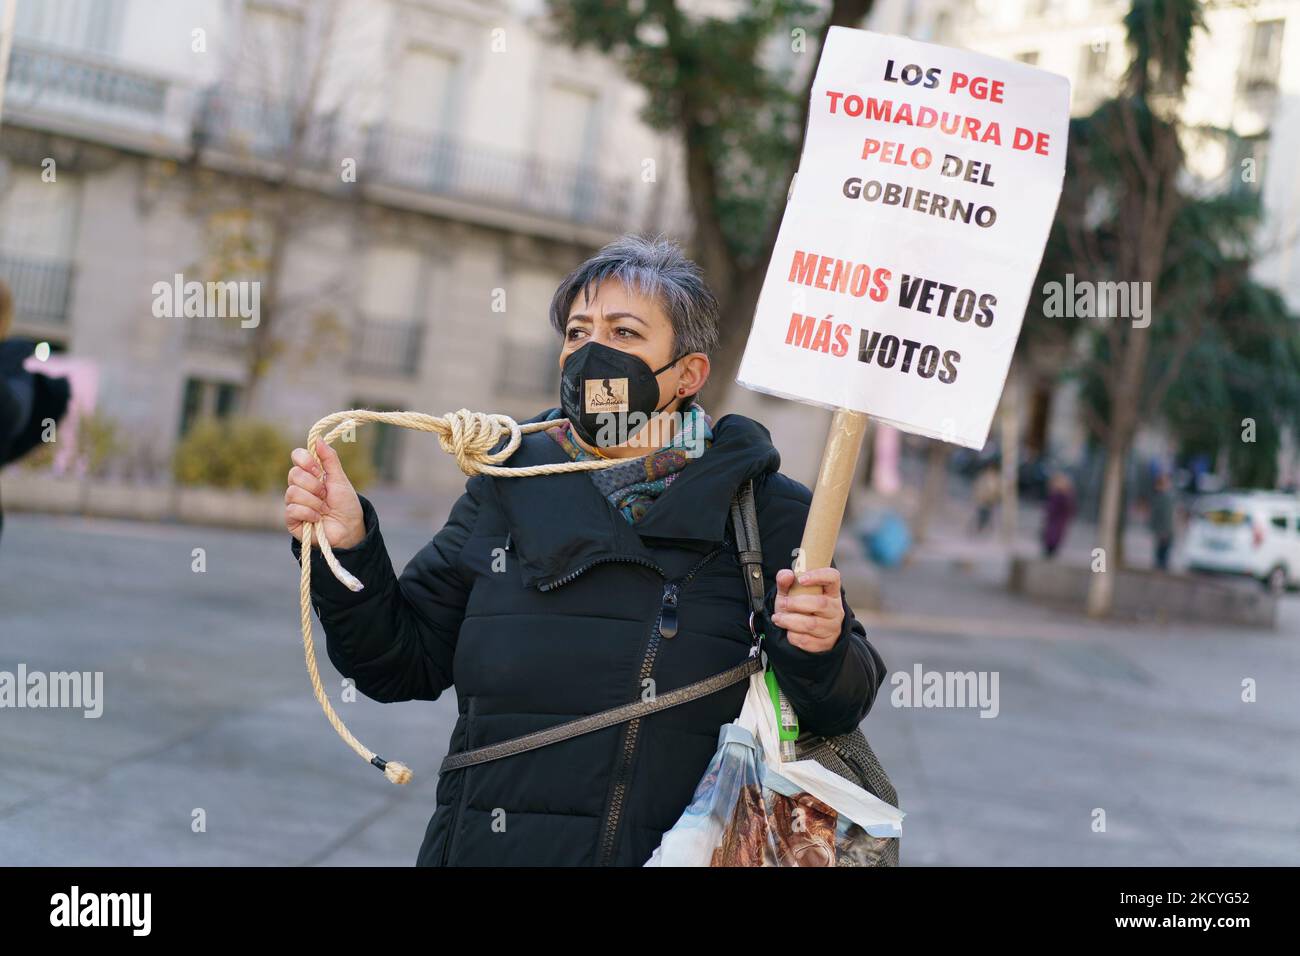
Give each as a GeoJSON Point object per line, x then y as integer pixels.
{"type": "Point", "coordinates": [1162, 519]}
{"type": "Point", "coordinates": [1057, 512]}
{"type": "Point", "coordinates": [27, 399]}
{"type": "Point", "coordinates": [988, 489]}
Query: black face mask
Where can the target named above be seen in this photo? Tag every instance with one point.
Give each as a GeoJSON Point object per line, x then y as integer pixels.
{"type": "Point", "coordinates": [601, 386]}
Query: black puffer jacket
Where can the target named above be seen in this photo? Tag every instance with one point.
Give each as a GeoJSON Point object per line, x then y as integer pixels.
{"type": "Point", "coordinates": [27, 401]}
{"type": "Point", "coordinates": [540, 603]}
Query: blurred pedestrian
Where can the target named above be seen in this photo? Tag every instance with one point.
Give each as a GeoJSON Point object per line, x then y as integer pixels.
{"type": "Point", "coordinates": [27, 399]}
{"type": "Point", "coordinates": [1058, 510]}
{"type": "Point", "coordinates": [1162, 519]}
{"type": "Point", "coordinates": [988, 489]}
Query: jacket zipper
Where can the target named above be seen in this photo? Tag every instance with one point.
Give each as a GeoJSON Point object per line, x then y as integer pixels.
{"type": "Point", "coordinates": [552, 585]}
{"type": "Point", "coordinates": [667, 615]}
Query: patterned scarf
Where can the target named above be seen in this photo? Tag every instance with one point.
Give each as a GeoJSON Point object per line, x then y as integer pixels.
{"type": "Point", "coordinates": [632, 486]}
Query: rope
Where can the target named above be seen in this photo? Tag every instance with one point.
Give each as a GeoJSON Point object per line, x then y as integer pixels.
{"type": "Point", "coordinates": [467, 436]}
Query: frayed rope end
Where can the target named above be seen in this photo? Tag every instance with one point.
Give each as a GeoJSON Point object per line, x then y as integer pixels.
{"type": "Point", "coordinates": [396, 772]}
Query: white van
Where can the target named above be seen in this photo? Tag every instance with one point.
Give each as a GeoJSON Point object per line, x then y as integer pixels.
{"type": "Point", "coordinates": [1256, 533]}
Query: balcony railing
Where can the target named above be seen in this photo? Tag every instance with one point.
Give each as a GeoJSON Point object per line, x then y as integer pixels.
{"type": "Point", "coordinates": [41, 288]}
{"type": "Point", "coordinates": [225, 335]}
{"type": "Point", "coordinates": [58, 74]}
{"type": "Point", "coordinates": [254, 123]}
{"type": "Point", "coordinates": [440, 164]}
{"type": "Point", "coordinates": [1259, 80]}
{"type": "Point", "coordinates": [49, 84]}
{"type": "Point", "coordinates": [64, 90]}
{"type": "Point", "coordinates": [386, 347]}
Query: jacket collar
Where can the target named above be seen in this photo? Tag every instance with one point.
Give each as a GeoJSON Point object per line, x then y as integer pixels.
{"type": "Point", "coordinates": [561, 523]}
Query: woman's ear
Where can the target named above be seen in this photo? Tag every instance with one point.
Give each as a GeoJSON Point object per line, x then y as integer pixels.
{"type": "Point", "coordinates": [695, 372]}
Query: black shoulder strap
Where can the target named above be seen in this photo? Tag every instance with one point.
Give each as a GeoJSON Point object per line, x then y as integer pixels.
{"type": "Point", "coordinates": [749, 550]}
{"type": "Point", "coordinates": [744, 516]}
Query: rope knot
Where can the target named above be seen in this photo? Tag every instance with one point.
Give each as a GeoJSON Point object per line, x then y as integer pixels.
{"type": "Point", "coordinates": [469, 437]}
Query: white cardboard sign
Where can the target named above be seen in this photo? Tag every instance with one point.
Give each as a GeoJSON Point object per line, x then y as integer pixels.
{"type": "Point", "coordinates": [926, 189]}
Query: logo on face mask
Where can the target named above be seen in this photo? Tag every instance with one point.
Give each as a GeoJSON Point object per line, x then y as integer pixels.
{"type": "Point", "coordinates": [606, 395]}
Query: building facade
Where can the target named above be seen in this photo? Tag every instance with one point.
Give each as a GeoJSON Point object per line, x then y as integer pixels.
{"type": "Point", "coordinates": [404, 182]}
{"type": "Point", "coordinates": [1245, 77]}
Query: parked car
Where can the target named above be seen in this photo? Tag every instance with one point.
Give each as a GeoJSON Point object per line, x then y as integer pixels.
{"type": "Point", "coordinates": [1255, 533]}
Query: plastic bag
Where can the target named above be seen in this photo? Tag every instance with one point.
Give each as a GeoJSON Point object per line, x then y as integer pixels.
{"type": "Point", "coordinates": [885, 538]}
{"type": "Point", "coordinates": [751, 809]}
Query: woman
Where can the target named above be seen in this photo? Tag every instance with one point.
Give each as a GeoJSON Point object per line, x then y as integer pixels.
{"type": "Point", "coordinates": [548, 598]}
{"type": "Point", "coordinates": [1058, 509]}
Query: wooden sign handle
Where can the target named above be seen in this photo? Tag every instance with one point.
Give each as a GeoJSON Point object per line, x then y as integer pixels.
{"type": "Point", "coordinates": [826, 514]}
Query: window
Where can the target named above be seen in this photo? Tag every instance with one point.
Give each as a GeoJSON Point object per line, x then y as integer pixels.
{"type": "Point", "coordinates": [39, 219]}
{"type": "Point", "coordinates": [415, 147]}
{"type": "Point", "coordinates": [38, 230]}
{"type": "Point", "coordinates": [390, 283]}
{"type": "Point", "coordinates": [530, 355]}
{"type": "Point", "coordinates": [569, 140]}
{"type": "Point", "coordinates": [389, 330]}
{"type": "Point", "coordinates": [569, 114]}
{"type": "Point", "coordinates": [423, 93]}
{"type": "Point", "coordinates": [271, 51]}
{"type": "Point", "coordinates": [208, 399]}
{"type": "Point", "coordinates": [1225, 517]}
{"type": "Point", "coordinates": [1263, 57]}
{"type": "Point", "coordinates": [94, 25]}
{"type": "Point", "coordinates": [237, 245]}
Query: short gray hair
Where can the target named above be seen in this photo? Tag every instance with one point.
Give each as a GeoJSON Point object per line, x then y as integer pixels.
{"type": "Point", "coordinates": [655, 267]}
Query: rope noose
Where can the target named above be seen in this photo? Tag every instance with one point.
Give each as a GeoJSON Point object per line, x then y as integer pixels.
{"type": "Point", "coordinates": [469, 437]}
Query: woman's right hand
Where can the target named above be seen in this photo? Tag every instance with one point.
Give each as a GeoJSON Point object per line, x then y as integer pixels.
{"type": "Point", "coordinates": [328, 500]}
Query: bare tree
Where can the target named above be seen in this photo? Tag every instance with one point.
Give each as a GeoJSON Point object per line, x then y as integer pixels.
{"type": "Point", "coordinates": [741, 122]}
{"type": "Point", "coordinates": [286, 116]}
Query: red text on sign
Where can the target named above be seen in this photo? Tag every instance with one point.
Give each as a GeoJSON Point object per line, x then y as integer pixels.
{"type": "Point", "coordinates": [979, 87]}
{"type": "Point", "coordinates": [839, 275]}
{"type": "Point", "coordinates": [807, 332]}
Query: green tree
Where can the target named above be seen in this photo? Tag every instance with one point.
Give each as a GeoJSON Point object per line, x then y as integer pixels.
{"type": "Point", "coordinates": [1131, 212]}
{"type": "Point", "coordinates": [1240, 386]}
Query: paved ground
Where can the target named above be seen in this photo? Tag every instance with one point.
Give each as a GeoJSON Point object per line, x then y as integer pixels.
{"type": "Point", "coordinates": [208, 707]}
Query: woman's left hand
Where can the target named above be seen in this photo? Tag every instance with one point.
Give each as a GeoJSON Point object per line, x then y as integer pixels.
{"type": "Point", "coordinates": [812, 621]}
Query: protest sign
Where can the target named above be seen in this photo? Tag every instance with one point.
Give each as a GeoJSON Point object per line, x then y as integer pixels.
{"type": "Point", "coordinates": [915, 226]}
